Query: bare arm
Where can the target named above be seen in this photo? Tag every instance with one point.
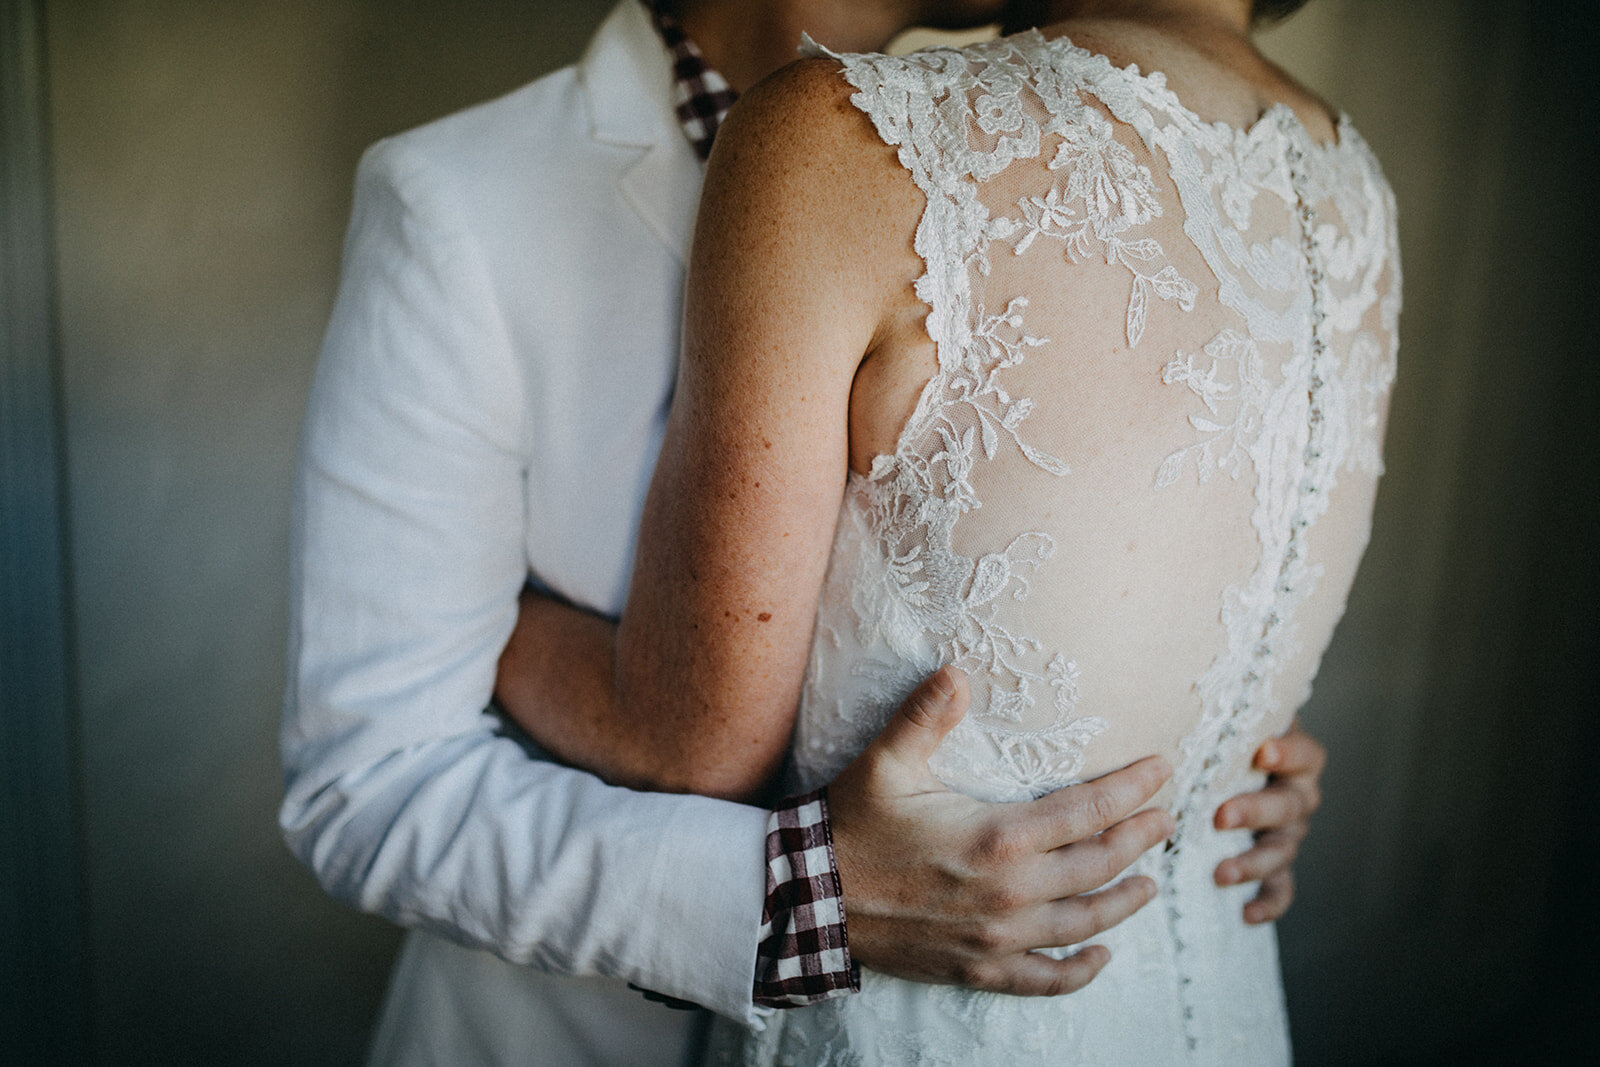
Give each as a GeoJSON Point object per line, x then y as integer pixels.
{"type": "Point", "coordinates": [698, 689]}
{"type": "Point", "coordinates": [783, 306]}
{"type": "Point", "coordinates": [707, 663]}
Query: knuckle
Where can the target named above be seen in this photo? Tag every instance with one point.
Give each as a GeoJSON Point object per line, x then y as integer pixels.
{"type": "Point", "coordinates": [919, 709]}
{"type": "Point", "coordinates": [1060, 983]}
{"type": "Point", "coordinates": [998, 846]}
{"type": "Point", "coordinates": [1103, 808]}
{"type": "Point", "coordinates": [1001, 899]}
{"type": "Point", "coordinates": [984, 939]}
{"type": "Point", "coordinates": [974, 975]}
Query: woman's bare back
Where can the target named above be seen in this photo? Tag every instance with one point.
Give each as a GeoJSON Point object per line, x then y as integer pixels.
{"type": "Point", "coordinates": [1131, 497]}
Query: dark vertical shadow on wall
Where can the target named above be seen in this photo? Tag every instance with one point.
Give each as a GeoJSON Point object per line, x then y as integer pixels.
{"type": "Point", "coordinates": [42, 1016]}
{"type": "Point", "coordinates": [1523, 623]}
{"type": "Point", "coordinates": [1554, 692]}
{"type": "Point", "coordinates": [1448, 911]}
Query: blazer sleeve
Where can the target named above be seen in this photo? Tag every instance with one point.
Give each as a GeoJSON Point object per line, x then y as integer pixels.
{"type": "Point", "coordinates": [404, 794]}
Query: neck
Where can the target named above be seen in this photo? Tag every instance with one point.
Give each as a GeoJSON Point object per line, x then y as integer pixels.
{"type": "Point", "coordinates": [745, 40]}
{"type": "Point", "coordinates": [1231, 16]}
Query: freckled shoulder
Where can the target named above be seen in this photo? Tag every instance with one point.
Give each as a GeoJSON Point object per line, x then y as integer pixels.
{"type": "Point", "coordinates": [806, 104]}
{"type": "Point", "coordinates": [800, 174]}
{"type": "Point", "coordinates": [798, 134]}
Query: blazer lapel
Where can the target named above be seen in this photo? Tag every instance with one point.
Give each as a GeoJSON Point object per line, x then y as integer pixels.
{"type": "Point", "coordinates": [628, 77]}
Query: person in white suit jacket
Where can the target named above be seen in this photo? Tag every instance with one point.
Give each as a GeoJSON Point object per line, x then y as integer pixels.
{"type": "Point", "coordinates": [488, 407]}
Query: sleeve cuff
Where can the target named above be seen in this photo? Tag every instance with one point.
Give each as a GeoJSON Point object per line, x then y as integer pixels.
{"type": "Point", "coordinates": [804, 951]}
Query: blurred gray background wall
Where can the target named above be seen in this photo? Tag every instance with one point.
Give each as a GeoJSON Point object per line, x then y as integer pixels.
{"type": "Point", "coordinates": [197, 159]}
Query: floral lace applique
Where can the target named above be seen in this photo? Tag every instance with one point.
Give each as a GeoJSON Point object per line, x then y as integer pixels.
{"type": "Point", "coordinates": [1229, 432]}
{"type": "Point", "coordinates": [1106, 193]}
{"type": "Point", "coordinates": [914, 597]}
{"type": "Point", "coordinates": [916, 589]}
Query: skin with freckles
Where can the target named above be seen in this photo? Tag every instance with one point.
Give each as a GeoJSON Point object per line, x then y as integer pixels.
{"type": "Point", "coordinates": [739, 522]}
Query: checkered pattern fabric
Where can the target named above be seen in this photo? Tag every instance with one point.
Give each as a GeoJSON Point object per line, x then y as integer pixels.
{"type": "Point", "coordinates": [701, 95]}
{"type": "Point", "coordinates": [804, 955]}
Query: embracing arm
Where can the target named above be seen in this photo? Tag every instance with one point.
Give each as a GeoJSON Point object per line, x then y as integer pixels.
{"type": "Point", "coordinates": [711, 651]}
{"type": "Point", "coordinates": [402, 793]}
{"type": "Point", "coordinates": [699, 689]}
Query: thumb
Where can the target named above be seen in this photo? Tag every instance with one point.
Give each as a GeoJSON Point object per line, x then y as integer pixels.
{"type": "Point", "coordinates": [931, 711]}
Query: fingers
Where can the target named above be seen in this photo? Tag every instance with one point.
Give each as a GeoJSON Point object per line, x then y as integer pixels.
{"type": "Point", "coordinates": [1089, 864]}
{"type": "Point", "coordinates": [1076, 919]}
{"type": "Point", "coordinates": [1032, 974]}
{"type": "Point", "coordinates": [931, 711]}
{"type": "Point", "coordinates": [1081, 811]}
{"type": "Point", "coordinates": [1274, 851]}
{"type": "Point", "coordinates": [1296, 752]}
{"type": "Point", "coordinates": [1281, 803]}
{"type": "Point", "coordinates": [1063, 922]}
{"type": "Point", "coordinates": [1277, 893]}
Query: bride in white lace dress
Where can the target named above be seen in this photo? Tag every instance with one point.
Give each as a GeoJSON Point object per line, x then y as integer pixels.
{"type": "Point", "coordinates": [1098, 361]}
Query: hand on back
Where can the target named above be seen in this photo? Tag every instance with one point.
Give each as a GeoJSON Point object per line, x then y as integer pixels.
{"type": "Point", "coordinates": [943, 888]}
{"type": "Point", "coordinates": [1280, 814]}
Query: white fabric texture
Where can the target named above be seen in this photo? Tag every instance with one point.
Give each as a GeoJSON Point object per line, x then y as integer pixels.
{"type": "Point", "coordinates": [1129, 503]}
{"type": "Point", "coordinates": [482, 411]}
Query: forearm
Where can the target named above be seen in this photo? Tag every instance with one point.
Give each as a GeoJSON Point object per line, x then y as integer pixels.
{"type": "Point", "coordinates": [403, 794]}
{"type": "Point", "coordinates": [737, 528]}
{"type": "Point", "coordinates": [542, 865]}
{"type": "Point", "coordinates": [556, 681]}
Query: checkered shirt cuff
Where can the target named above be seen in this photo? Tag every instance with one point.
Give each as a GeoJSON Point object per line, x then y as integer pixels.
{"type": "Point", "coordinates": [804, 955]}
{"type": "Point", "coordinates": [701, 96]}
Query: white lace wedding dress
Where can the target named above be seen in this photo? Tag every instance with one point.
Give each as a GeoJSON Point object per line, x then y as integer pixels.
{"type": "Point", "coordinates": [1135, 530]}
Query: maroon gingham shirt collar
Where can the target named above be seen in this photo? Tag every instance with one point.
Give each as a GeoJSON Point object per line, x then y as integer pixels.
{"type": "Point", "coordinates": [701, 96]}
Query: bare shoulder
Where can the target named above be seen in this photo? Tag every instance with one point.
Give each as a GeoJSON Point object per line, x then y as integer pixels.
{"type": "Point", "coordinates": [800, 171]}
{"type": "Point", "coordinates": [809, 99]}
{"type": "Point", "coordinates": [798, 128]}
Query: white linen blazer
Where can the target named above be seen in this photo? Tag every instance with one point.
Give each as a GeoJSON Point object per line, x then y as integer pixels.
{"type": "Point", "coordinates": [488, 405]}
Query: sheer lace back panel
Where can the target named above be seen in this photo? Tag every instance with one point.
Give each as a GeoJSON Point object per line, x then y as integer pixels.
{"type": "Point", "coordinates": [1129, 504]}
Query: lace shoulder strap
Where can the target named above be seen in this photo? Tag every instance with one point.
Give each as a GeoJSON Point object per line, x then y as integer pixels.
{"type": "Point", "coordinates": [960, 117]}
{"type": "Point", "coordinates": [922, 105]}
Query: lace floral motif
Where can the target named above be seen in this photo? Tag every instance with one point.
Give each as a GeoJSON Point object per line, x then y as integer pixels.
{"type": "Point", "coordinates": [915, 590]}
{"type": "Point", "coordinates": [916, 599]}
{"type": "Point", "coordinates": [1106, 193]}
{"type": "Point", "coordinates": [1288, 393]}
{"type": "Point", "coordinates": [1233, 408]}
